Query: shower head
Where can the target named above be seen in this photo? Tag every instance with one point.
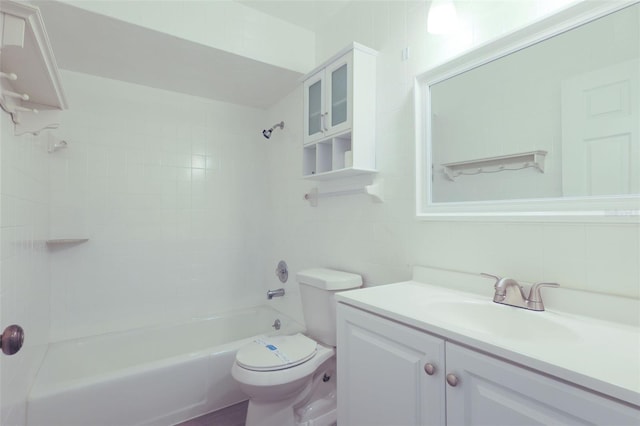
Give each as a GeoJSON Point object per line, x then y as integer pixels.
{"type": "Point", "coordinates": [267, 133]}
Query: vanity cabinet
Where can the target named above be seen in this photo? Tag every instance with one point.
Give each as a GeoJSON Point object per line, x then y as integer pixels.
{"type": "Point", "coordinates": [493, 391]}
{"type": "Point", "coordinates": [393, 374]}
{"type": "Point", "coordinates": [388, 374]}
{"type": "Point", "coordinates": [339, 115]}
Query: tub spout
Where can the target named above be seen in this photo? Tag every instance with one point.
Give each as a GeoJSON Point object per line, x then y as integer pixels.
{"type": "Point", "coordinates": [275, 293]}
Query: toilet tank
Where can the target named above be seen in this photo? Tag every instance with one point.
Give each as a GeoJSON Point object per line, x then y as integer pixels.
{"type": "Point", "coordinates": [317, 289]}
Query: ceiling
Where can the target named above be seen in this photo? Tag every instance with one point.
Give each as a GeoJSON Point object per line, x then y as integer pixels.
{"type": "Point", "coordinates": [309, 14]}
{"type": "Point", "coordinates": [95, 44]}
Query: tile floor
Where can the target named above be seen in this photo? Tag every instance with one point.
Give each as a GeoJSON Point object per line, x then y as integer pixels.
{"type": "Point", "coordinates": [230, 416]}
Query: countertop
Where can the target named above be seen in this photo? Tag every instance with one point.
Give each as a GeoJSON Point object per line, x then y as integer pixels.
{"type": "Point", "coordinates": [600, 355]}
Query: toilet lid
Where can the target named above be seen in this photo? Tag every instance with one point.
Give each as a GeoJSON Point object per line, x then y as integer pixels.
{"type": "Point", "coordinates": [268, 353]}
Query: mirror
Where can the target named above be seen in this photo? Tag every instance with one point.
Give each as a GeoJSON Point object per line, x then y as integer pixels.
{"type": "Point", "coordinates": [542, 122]}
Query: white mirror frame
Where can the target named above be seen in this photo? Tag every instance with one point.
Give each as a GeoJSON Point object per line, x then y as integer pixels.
{"type": "Point", "coordinates": [615, 209]}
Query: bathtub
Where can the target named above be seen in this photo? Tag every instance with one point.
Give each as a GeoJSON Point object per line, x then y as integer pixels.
{"type": "Point", "coordinates": [150, 376]}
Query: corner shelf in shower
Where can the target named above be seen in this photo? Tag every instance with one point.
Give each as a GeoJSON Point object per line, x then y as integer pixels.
{"type": "Point", "coordinates": [31, 88]}
{"type": "Point", "coordinates": [66, 241]}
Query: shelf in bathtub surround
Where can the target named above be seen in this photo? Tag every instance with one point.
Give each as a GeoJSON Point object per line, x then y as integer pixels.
{"type": "Point", "coordinates": [31, 87]}
{"type": "Point", "coordinates": [518, 161]}
{"type": "Point", "coordinates": [66, 241]}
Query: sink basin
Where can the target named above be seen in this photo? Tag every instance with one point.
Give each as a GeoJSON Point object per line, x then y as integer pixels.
{"type": "Point", "coordinates": [500, 320]}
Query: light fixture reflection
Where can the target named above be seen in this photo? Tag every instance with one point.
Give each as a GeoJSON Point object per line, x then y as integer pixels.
{"type": "Point", "coordinates": [442, 17]}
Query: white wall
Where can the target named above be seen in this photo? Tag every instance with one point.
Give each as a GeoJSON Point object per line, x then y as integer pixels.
{"type": "Point", "coordinates": [382, 241]}
{"type": "Point", "coordinates": [24, 296]}
{"type": "Point", "coordinates": [170, 191]}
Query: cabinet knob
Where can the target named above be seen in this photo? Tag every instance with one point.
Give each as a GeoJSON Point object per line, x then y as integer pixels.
{"type": "Point", "coordinates": [11, 339]}
{"type": "Point", "coordinates": [452, 380]}
{"type": "Point", "coordinates": [429, 369]}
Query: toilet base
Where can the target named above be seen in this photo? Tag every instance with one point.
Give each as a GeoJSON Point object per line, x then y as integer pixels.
{"type": "Point", "coordinates": [270, 413]}
{"type": "Point", "coordinates": [314, 405]}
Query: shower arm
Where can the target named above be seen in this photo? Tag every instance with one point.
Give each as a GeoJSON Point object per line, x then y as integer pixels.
{"type": "Point", "coordinates": [280, 124]}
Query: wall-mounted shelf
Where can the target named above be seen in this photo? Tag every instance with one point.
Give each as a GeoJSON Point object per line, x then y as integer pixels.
{"type": "Point", "coordinates": [331, 158]}
{"type": "Point", "coordinates": [375, 190]}
{"type": "Point", "coordinates": [31, 89]}
{"type": "Point", "coordinates": [519, 161]}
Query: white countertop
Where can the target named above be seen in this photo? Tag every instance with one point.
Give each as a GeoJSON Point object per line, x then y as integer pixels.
{"type": "Point", "coordinates": [600, 355]}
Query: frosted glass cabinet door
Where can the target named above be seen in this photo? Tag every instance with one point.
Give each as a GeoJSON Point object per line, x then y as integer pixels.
{"type": "Point", "coordinates": [314, 106]}
{"type": "Point", "coordinates": [339, 75]}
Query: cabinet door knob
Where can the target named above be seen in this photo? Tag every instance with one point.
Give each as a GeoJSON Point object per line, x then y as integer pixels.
{"type": "Point", "coordinates": [429, 369]}
{"type": "Point", "coordinates": [11, 339]}
{"type": "Point", "coordinates": [452, 380]}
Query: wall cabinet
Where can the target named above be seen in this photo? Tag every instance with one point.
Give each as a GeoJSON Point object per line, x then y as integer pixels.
{"type": "Point", "coordinates": [390, 373]}
{"type": "Point", "coordinates": [339, 115]}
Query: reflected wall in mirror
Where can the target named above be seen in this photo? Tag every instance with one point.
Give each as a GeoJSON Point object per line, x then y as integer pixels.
{"type": "Point", "coordinates": [544, 120]}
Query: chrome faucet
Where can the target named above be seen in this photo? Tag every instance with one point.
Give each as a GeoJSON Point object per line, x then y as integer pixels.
{"type": "Point", "coordinates": [275, 293]}
{"type": "Point", "coordinates": [509, 292]}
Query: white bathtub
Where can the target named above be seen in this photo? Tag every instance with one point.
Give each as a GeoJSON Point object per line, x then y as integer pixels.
{"type": "Point", "coordinates": [151, 376]}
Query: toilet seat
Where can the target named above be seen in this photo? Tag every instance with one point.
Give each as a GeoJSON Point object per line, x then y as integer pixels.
{"type": "Point", "coordinates": [272, 353]}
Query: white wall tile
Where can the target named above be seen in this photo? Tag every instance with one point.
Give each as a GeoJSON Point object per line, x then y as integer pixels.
{"type": "Point", "coordinates": [166, 237]}
{"type": "Point", "coordinates": [24, 272]}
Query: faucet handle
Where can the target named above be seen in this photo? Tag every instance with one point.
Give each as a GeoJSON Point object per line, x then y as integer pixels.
{"type": "Point", "coordinates": [535, 298]}
{"type": "Point", "coordinates": [534, 293]}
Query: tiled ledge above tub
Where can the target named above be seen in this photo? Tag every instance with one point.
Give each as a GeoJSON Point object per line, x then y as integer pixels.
{"type": "Point", "coordinates": [65, 241]}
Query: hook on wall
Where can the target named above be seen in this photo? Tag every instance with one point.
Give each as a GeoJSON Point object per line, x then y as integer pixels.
{"type": "Point", "coordinates": [55, 146]}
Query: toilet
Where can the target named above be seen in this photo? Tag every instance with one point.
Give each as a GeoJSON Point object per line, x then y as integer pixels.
{"type": "Point", "coordinates": [291, 380]}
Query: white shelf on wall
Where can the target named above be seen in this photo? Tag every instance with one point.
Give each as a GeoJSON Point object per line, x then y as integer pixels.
{"type": "Point", "coordinates": [331, 158]}
{"type": "Point", "coordinates": [375, 190]}
{"type": "Point", "coordinates": [31, 89]}
{"type": "Point", "coordinates": [340, 173]}
{"type": "Point", "coordinates": [518, 161]}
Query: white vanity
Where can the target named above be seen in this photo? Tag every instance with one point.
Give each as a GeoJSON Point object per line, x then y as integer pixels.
{"type": "Point", "coordinates": [436, 350]}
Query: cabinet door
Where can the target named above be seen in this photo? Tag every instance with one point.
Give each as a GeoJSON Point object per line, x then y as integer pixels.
{"type": "Point", "coordinates": [381, 372]}
{"type": "Point", "coordinates": [494, 392]}
{"type": "Point", "coordinates": [314, 107]}
{"type": "Point", "coordinates": [339, 92]}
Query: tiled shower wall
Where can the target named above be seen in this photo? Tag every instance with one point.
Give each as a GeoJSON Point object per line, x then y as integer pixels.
{"type": "Point", "coordinates": [24, 296]}
{"type": "Point", "coordinates": [170, 191]}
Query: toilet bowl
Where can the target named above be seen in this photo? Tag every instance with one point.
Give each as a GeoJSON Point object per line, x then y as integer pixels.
{"type": "Point", "coordinates": [290, 380]}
